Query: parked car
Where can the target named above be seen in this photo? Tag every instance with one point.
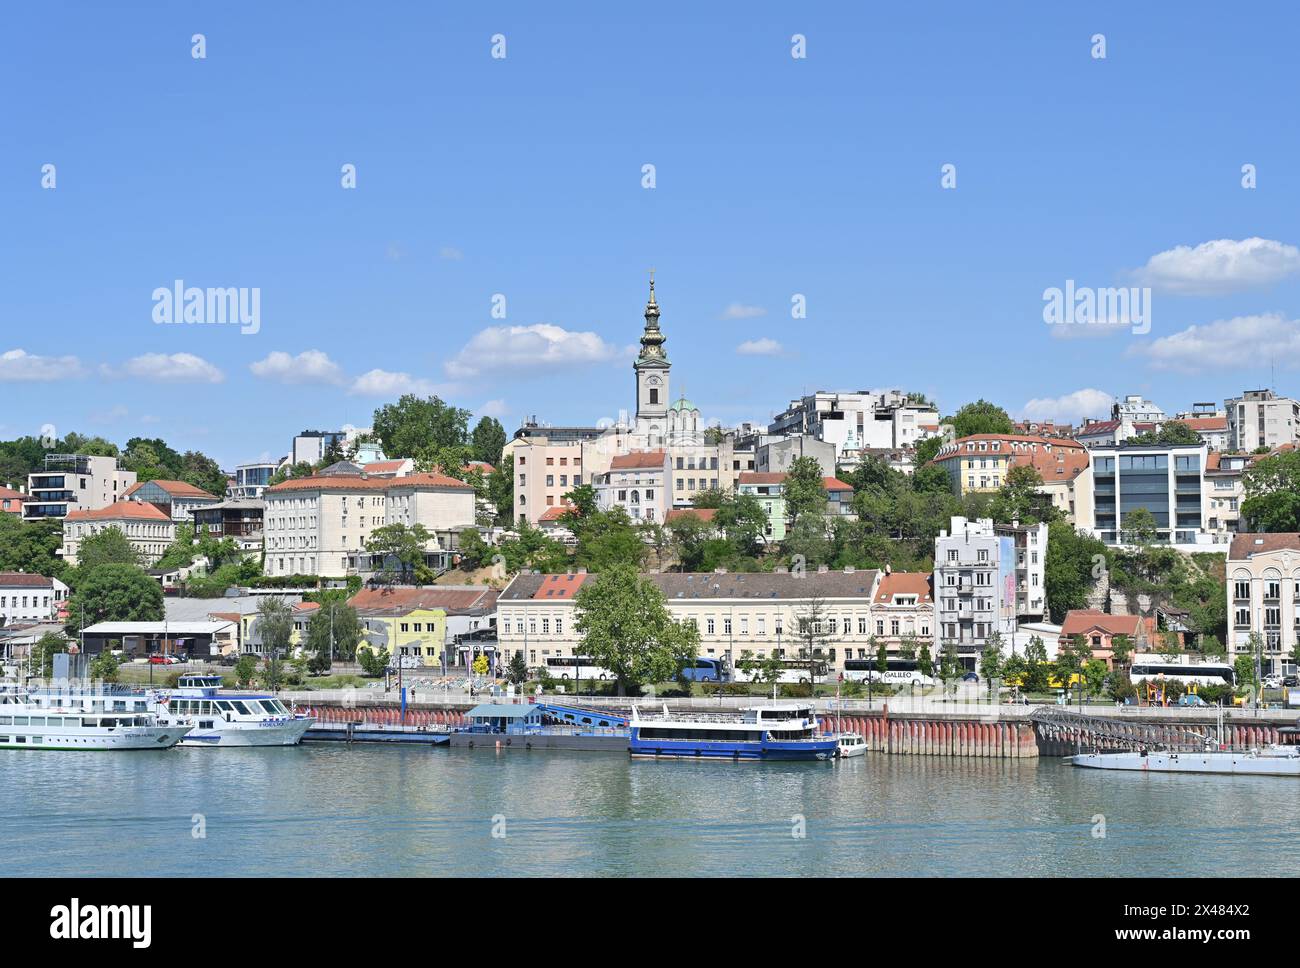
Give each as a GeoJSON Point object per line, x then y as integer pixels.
{"type": "Point", "coordinates": [1291, 681]}
{"type": "Point", "coordinates": [158, 659]}
{"type": "Point", "coordinates": [970, 677]}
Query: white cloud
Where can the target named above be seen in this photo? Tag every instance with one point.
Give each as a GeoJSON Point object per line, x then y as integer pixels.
{"type": "Point", "coordinates": [1243, 341]}
{"type": "Point", "coordinates": [1224, 265]}
{"type": "Point", "coordinates": [386, 383]}
{"type": "Point", "coordinates": [760, 347]}
{"type": "Point", "coordinates": [19, 366]}
{"type": "Point", "coordinates": [741, 311]}
{"type": "Point", "coordinates": [168, 368]}
{"type": "Point", "coordinates": [493, 408]}
{"type": "Point", "coordinates": [1070, 408]}
{"type": "Point", "coordinates": [309, 366]}
{"type": "Point", "coordinates": [541, 345]}
{"type": "Point", "coordinates": [450, 253]}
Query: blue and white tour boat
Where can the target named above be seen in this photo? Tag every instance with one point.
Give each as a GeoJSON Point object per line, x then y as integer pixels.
{"type": "Point", "coordinates": [779, 731]}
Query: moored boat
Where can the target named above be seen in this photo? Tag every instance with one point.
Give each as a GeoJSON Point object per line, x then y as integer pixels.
{"type": "Point", "coordinates": [236, 719]}
{"type": "Point", "coordinates": [1261, 761]}
{"type": "Point", "coordinates": [773, 732]}
{"type": "Point", "coordinates": [850, 745]}
{"type": "Point", "coordinates": [25, 724]}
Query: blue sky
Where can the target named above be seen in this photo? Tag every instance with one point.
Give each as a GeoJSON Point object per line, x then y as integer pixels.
{"type": "Point", "coordinates": [522, 176]}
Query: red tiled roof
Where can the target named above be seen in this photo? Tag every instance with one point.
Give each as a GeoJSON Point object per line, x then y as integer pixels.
{"type": "Point", "coordinates": [641, 459]}
{"type": "Point", "coordinates": [22, 579]}
{"type": "Point", "coordinates": [174, 488]}
{"type": "Point", "coordinates": [384, 466]}
{"type": "Point", "coordinates": [704, 514]}
{"type": "Point", "coordinates": [1204, 423]}
{"type": "Point", "coordinates": [121, 511]}
{"type": "Point", "coordinates": [344, 482]}
{"type": "Point", "coordinates": [555, 513]}
{"type": "Point", "coordinates": [1245, 545]}
{"type": "Point", "coordinates": [1055, 458]}
{"type": "Point", "coordinates": [905, 583]}
{"type": "Point", "coordinates": [835, 484]}
{"type": "Point", "coordinates": [479, 465]}
{"type": "Point", "coordinates": [1082, 621]}
{"type": "Point", "coordinates": [559, 586]}
{"type": "Point", "coordinates": [1100, 427]}
{"type": "Point", "coordinates": [450, 599]}
{"type": "Point", "coordinates": [758, 477]}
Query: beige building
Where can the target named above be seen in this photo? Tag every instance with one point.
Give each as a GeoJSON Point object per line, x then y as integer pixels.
{"type": "Point", "coordinates": [148, 529]}
{"type": "Point", "coordinates": [74, 482]}
{"type": "Point", "coordinates": [319, 525]}
{"type": "Point", "coordinates": [637, 483]}
{"type": "Point", "coordinates": [1263, 578]}
{"type": "Point", "coordinates": [735, 613]}
{"type": "Point", "coordinates": [1260, 418]}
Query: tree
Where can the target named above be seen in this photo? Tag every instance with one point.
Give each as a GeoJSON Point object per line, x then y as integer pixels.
{"type": "Point", "coordinates": [114, 593]}
{"type": "Point", "coordinates": [1272, 485]}
{"type": "Point", "coordinates": [812, 631]}
{"type": "Point", "coordinates": [583, 501]}
{"type": "Point", "coordinates": [607, 538]}
{"type": "Point", "coordinates": [981, 417]}
{"type": "Point", "coordinates": [413, 424]}
{"type": "Point", "coordinates": [399, 548]}
{"type": "Point", "coordinates": [43, 651]}
{"type": "Point", "coordinates": [501, 490]}
{"type": "Point", "coordinates": [1139, 526]}
{"type": "Point", "coordinates": [108, 547]}
{"type": "Point", "coordinates": [103, 667]}
{"type": "Point", "coordinates": [925, 663]}
{"type": "Point", "coordinates": [31, 547]}
{"type": "Point", "coordinates": [926, 451]}
{"type": "Point", "coordinates": [1070, 658]}
{"type": "Point", "coordinates": [333, 632]}
{"type": "Point", "coordinates": [473, 550]}
{"type": "Point", "coordinates": [1172, 432]}
{"type": "Point", "coordinates": [1121, 649]}
{"type": "Point", "coordinates": [245, 669]}
{"type": "Point", "coordinates": [275, 626]}
{"type": "Point", "coordinates": [805, 492]}
{"type": "Point", "coordinates": [991, 660]}
{"type": "Point", "coordinates": [1020, 499]}
{"type": "Point", "coordinates": [487, 440]}
{"type": "Point", "coordinates": [373, 660]}
{"type": "Point", "coordinates": [626, 628]}
{"type": "Point", "coordinates": [1036, 666]}
{"type": "Point", "coordinates": [517, 670]}
{"type": "Point", "coordinates": [1073, 564]}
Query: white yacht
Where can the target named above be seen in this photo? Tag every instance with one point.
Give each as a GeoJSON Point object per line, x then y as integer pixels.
{"type": "Point", "coordinates": [851, 744]}
{"type": "Point", "coordinates": [26, 723]}
{"type": "Point", "coordinates": [230, 720]}
{"type": "Point", "coordinates": [1260, 761]}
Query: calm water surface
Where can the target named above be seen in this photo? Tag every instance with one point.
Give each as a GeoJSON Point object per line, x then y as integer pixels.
{"type": "Point", "coordinates": [334, 810]}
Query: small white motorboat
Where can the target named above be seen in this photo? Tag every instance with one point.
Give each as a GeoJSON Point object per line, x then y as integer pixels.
{"type": "Point", "coordinates": [851, 744]}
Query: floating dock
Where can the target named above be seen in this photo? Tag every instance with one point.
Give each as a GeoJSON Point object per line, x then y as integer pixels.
{"type": "Point", "coordinates": [376, 733]}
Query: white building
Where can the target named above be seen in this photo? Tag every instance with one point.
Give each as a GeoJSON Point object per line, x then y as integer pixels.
{"type": "Point", "coordinates": [71, 482]}
{"type": "Point", "coordinates": [1263, 578]}
{"type": "Point", "coordinates": [29, 598]}
{"type": "Point", "coordinates": [148, 529]}
{"type": "Point", "coordinates": [320, 525]}
{"type": "Point", "coordinates": [858, 420]}
{"type": "Point", "coordinates": [975, 576]}
{"type": "Point", "coordinates": [1167, 480]}
{"type": "Point", "coordinates": [638, 483]}
{"type": "Point", "coordinates": [1260, 418]}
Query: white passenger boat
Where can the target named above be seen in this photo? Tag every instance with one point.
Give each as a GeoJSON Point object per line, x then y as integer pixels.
{"type": "Point", "coordinates": [773, 732]}
{"type": "Point", "coordinates": [26, 724]}
{"type": "Point", "coordinates": [851, 744]}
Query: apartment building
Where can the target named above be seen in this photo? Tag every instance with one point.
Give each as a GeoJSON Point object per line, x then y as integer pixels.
{"type": "Point", "coordinates": [903, 610]}
{"type": "Point", "coordinates": [1263, 579]}
{"type": "Point", "coordinates": [251, 480]}
{"type": "Point", "coordinates": [148, 529]}
{"type": "Point", "coordinates": [637, 483]}
{"type": "Point", "coordinates": [1260, 418]}
{"type": "Point", "coordinates": [28, 598]}
{"type": "Point", "coordinates": [71, 482]}
{"type": "Point", "coordinates": [1167, 480]}
{"type": "Point", "coordinates": [426, 624]}
{"type": "Point", "coordinates": [975, 581]}
{"type": "Point", "coordinates": [320, 525]}
{"type": "Point", "coordinates": [1225, 489]}
{"type": "Point", "coordinates": [857, 420]}
{"type": "Point", "coordinates": [761, 614]}
{"type": "Point", "coordinates": [177, 499]}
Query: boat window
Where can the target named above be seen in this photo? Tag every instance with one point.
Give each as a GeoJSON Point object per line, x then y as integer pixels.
{"type": "Point", "coordinates": [110, 723]}
{"type": "Point", "coordinates": [269, 706]}
{"type": "Point", "coordinates": [6, 720]}
{"type": "Point", "coordinates": [224, 706]}
{"type": "Point", "coordinates": [142, 720]}
{"type": "Point", "coordinates": [20, 720]}
{"type": "Point", "coordinates": [89, 723]}
{"type": "Point", "coordinates": [240, 707]}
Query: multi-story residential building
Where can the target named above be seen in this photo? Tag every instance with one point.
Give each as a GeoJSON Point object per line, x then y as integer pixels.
{"type": "Point", "coordinates": [428, 623]}
{"type": "Point", "coordinates": [29, 598]}
{"type": "Point", "coordinates": [975, 584]}
{"type": "Point", "coordinates": [11, 501]}
{"type": "Point", "coordinates": [1260, 418]}
{"type": "Point", "coordinates": [980, 464]}
{"type": "Point", "coordinates": [251, 480]}
{"type": "Point", "coordinates": [70, 482]}
{"type": "Point", "coordinates": [638, 483]}
{"type": "Point", "coordinates": [148, 529]}
{"type": "Point", "coordinates": [319, 525]}
{"type": "Point", "coordinates": [1165, 479]}
{"type": "Point", "coordinates": [242, 521]}
{"type": "Point", "coordinates": [857, 420]}
{"type": "Point", "coordinates": [1029, 542]}
{"type": "Point", "coordinates": [1133, 410]}
{"type": "Point", "coordinates": [770, 491]}
{"type": "Point", "coordinates": [1224, 491]}
{"type": "Point", "coordinates": [1263, 579]}
{"type": "Point", "coordinates": [904, 609]}
{"type": "Point", "coordinates": [1099, 433]}
{"type": "Point", "coordinates": [311, 446]}
{"type": "Point", "coordinates": [774, 455]}
{"type": "Point", "coordinates": [174, 498]}
{"type": "Point", "coordinates": [756, 613]}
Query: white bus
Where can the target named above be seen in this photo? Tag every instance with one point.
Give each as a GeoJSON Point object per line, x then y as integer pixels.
{"type": "Point", "coordinates": [792, 670]}
{"type": "Point", "coordinates": [575, 667]}
{"type": "Point", "coordinates": [898, 672]}
{"type": "Point", "coordinates": [1186, 669]}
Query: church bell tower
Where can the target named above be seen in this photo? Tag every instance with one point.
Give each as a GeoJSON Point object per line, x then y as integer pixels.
{"type": "Point", "coordinates": [651, 369]}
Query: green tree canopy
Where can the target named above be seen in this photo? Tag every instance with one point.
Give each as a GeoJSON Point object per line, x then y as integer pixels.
{"type": "Point", "coordinates": [487, 440]}
{"type": "Point", "coordinates": [412, 425]}
{"type": "Point", "coordinates": [114, 593]}
{"type": "Point", "coordinates": [981, 417]}
{"type": "Point", "coordinates": [1272, 486]}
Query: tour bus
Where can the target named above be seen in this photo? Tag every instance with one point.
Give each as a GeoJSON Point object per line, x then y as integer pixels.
{"type": "Point", "coordinates": [575, 667]}
{"type": "Point", "coordinates": [708, 670]}
{"type": "Point", "coordinates": [1186, 669]}
{"type": "Point", "coordinates": [898, 671]}
{"type": "Point", "coordinates": [792, 670]}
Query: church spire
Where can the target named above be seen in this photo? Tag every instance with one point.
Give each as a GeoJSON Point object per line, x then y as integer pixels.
{"type": "Point", "coordinates": [652, 340]}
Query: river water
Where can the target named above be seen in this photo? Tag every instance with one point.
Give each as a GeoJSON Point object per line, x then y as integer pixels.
{"type": "Point", "coordinates": [369, 810]}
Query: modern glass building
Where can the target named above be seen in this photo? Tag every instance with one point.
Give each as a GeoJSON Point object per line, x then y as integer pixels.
{"type": "Point", "coordinates": [1167, 480]}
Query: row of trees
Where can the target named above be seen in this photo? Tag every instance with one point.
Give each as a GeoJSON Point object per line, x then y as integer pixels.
{"type": "Point", "coordinates": [151, 458]}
